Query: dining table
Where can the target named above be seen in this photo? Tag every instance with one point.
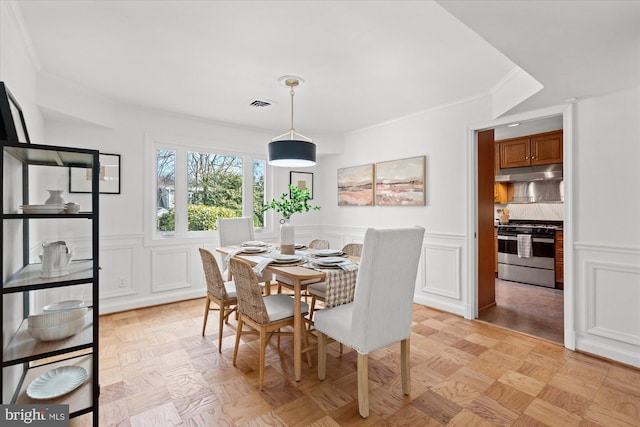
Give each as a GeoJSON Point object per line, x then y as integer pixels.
{"type": "Point", "coordinates": [299, 276]}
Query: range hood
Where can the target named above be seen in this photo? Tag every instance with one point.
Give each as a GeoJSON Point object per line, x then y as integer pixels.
{"type": "Point", "coordinates": [530, 173]}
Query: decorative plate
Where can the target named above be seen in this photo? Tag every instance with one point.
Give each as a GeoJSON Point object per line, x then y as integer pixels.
{"type": "Point", "coordinates": [57, 382]}
{"type": "Point", "coordinates": [328, 261]}
{"type": "Point", "coordinates": [328, 252]}
{"type": "Point", "coordinates": [42, 209]}
{"type": "Point", "coordinates": [253, 249]}
{"type": "Point", "coordinates": [63, 305]}
{"type": "Point", "coordinates": [254, 243]}
{"type": "Point", "coordinates": [283, 259]}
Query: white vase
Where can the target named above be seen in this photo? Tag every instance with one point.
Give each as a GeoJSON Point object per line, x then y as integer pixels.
{"type": "Point", "coordinates": [55, 198]}
{"type": "Point", "coordinates": [287, 237]}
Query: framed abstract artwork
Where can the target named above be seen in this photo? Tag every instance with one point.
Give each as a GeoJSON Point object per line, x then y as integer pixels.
{"type": "Point", "coordinates": [302, 180]}
{"type": "Point", "coordinates": [355, 186]}
{"type": "Point", "coordinates": [80, 178]}
{"type": "Point", "coordinates": [401, 182]}
{"type": "Point", "coordinates": [13, 127]}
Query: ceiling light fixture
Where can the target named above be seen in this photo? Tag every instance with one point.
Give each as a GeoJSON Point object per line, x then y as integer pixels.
{"type": "Point", "coordinates": [513, 125]}
{"type": "Point", "coordinates": [292, 152]}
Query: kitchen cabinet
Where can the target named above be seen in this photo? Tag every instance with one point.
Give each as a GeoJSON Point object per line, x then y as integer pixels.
{"type": "Point", "coordinates": [559, 260]}
{"type": "Point", "coordinates": [501, 190]}
{"type": "Point", "coordinates": [533, 150]}
{"type": "Point", "coordinates": [26, 169]}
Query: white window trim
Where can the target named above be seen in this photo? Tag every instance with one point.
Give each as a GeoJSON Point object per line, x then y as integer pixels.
{"type": "Point", "coordinates": [182, 146]}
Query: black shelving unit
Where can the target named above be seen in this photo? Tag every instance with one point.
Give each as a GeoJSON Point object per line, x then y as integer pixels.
{"type": "Point", "coordinates": [24, 358]}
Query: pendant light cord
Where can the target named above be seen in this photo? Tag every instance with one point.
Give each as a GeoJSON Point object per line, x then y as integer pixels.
{"type": "Point", "coordinates": [292, 130]}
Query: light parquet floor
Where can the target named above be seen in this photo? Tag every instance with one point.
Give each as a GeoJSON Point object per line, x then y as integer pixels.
{"type": "Point", "coordinates": [157, 370]}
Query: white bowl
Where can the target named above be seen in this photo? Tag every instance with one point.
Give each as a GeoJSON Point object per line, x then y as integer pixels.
{"type": "Point", "coordinates": [64, 305]}
{"type": "Point", "coordinates": [59, 332]}
{"type": "Point", "coordinates": [56, 318]}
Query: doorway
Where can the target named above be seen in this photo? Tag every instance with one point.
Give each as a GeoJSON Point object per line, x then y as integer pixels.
{"type": "Point", "coordinates": [526, 308]}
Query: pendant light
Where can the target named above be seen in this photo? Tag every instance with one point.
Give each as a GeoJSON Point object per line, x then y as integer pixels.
{"type": "Point", "coordinates": [292, 152]}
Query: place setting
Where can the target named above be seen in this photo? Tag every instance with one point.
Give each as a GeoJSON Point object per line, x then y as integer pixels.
{"type": "Point", "coordinates": [282, 260]}
{"type": "Point", "coordinates": [333, 262]}
{"type": "Point", "coordinates": [328, 253]}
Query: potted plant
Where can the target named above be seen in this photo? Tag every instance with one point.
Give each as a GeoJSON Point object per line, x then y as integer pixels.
{"type": "Point", "coordinates": [297, 201]}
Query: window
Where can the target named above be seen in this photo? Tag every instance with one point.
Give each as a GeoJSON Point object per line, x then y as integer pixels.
{"type": "Point", "coordinates": [195, 188]}
{"type": "Point", "coordinates": [259, 167]}
{"type": "Point", "coordinates": [166, 183]}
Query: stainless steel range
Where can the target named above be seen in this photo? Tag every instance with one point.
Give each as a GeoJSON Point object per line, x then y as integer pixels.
{"type": "Point", "coordinates": [526, 252]}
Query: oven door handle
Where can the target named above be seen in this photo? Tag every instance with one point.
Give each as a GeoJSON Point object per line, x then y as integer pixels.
{"type": "Point", "coordinates": [533, 239]}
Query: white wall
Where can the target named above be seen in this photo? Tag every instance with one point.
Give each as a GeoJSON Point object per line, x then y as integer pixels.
{"type": "Point", "coordinates": [607, 225]}
{"type": "Point", "coordinates": [440, 135]}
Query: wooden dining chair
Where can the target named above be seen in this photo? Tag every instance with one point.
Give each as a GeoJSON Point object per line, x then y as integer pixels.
{"type": "Point", "coordinates": [318, 244]}
{"type": "Point", "coordinates": [380, 313]}
{"type": "Point", "coordinates": [220, 292]}
{"type": "Point", "coordinates": [318, 290]}
{"type": "Point", "coordinates": [235, 231]}
{"type": "Point", "coordinates": [265, 314]}
{"type": "Point", "coordinates": [284, 281]}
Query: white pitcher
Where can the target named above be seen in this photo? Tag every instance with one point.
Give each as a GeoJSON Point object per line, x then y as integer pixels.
{"type": "Point", "coordinates": [55, 257]}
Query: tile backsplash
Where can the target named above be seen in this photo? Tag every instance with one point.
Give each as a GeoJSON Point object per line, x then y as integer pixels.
{"type": "Point", "coordinates": [534, 211]}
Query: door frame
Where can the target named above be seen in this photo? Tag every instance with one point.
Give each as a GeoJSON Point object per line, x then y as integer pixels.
{"type": "Point", "coordinates": [567, 112]}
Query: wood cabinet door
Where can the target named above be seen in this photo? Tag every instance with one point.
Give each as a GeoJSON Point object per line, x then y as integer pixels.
{"type": "Point", "coordinates": [515, 153]}
{"type": "Point", "coordinates": [546, 148]}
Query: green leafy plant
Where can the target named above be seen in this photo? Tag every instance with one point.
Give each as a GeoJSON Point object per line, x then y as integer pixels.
{"type": "Point", "coordinates": [297, 201]}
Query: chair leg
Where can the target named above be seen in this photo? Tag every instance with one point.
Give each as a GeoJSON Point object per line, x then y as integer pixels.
{"type": "Point", "coordinates": [363, 385]}
{"type": "Point", "coordinates": [207, 305]}
{"type": "Point", "coordinates": [220, 326]}
{"type": "Point", "coordinates": [312, 308]}
{"type": "Point", "coordinates": [322, 355]}
{"type": "Point", "coordinates": [238, 333]}
{"type": "Point", "coordinates": [405, 369]}
{"type": "Point", "coordinates": [305, 340]}
{"type": "Point", "coordinates": [263, 349]}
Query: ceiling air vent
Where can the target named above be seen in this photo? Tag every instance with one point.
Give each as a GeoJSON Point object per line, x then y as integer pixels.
{"type": "Point", "coordinates": [259, 103]}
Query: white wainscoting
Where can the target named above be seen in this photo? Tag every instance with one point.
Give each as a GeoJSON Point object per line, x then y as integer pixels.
{"type": "Point", "coordinates": [440, 272]}
{"type": "Point", "coordinates": [119, 273]}
{"type": "Point", "coordinates": [170, 269]}
{"type": "Point", "coordinates": [608, 297]}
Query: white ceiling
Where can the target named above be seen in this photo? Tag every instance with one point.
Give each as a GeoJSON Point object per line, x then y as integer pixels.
{"type": "Point", "coordinates": [364, 62]}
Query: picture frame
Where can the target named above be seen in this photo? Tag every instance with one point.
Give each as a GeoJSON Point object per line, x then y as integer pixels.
{"type": "Point", "coordinates": [401, 182]}
{"type": "Point", "coordinates": [80, 178]}
{"type": "Point", "coordinates": [302, 180]}
{"type": "Point", "coordinates": [13, 127]}
{"type": "Point", "coordinates": [355, 186]}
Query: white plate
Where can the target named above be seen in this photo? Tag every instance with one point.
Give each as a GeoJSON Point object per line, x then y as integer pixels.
{"type": "Point", "coordinates": [42, 209]}
{"type": "Point", "coordinates": [254, 243]}
{"type": "Point", "coordinates": [328, 252]}
{"type": "Point", "coordinates": [63, 305]}
{"type": "Point", "coordinates": [300, 246]}
{"type": "Point", "coordinates": [282, 258]}
{"type": "Point", "coordinates": [57, 382]}
{"type": "Point", "coordinates": [253, 249]}
{"type": "Point", "coordinates": [334, 260]}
